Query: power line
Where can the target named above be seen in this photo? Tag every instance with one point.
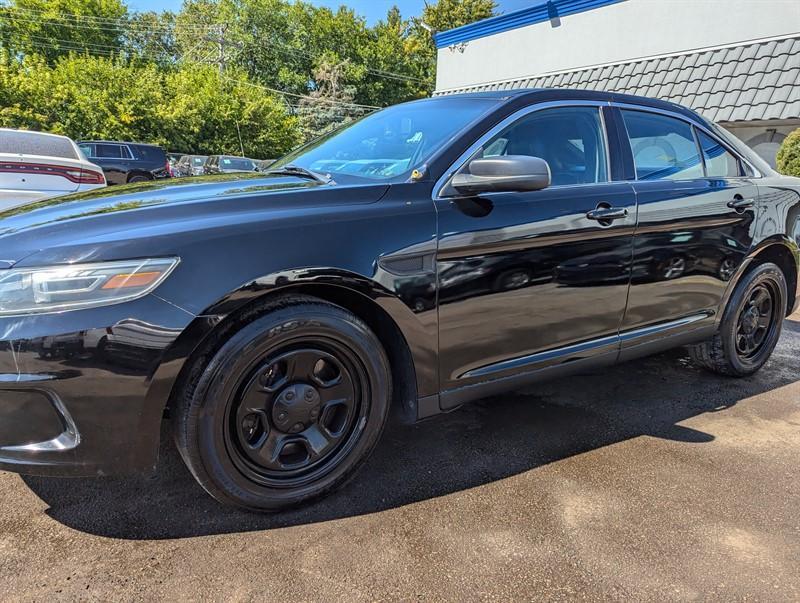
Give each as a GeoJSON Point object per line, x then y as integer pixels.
{"type": "Point", "coordinates": [70, 19]}
{"type": "Point", "coordinates": [302, 96]}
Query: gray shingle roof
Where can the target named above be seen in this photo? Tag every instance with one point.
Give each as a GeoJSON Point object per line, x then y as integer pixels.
{"type": "Point", "coordinates": [740, 83]}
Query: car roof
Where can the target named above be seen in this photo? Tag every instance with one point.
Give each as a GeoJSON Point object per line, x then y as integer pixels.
{"type": "Point", "coordinates": [138, 144]}
{"type": "Point", "coordinates": [533, 95]}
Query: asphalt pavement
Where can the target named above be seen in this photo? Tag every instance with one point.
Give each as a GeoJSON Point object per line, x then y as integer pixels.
{"type": "Point", "coordinates": [651, 480]}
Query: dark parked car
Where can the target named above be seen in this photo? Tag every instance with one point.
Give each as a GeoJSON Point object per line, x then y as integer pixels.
{"type": "Point", "coordinates": [190, 165]}
{"type": "Point", "coordinates": [427, 255]}
{"type": "Point", "coordinates": [125, 162]}
{"type": "Point", "coordinates": [228, 164]}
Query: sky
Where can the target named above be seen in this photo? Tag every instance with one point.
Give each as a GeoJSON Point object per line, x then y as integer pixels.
{"type": "Point", "coordinates": [373, 10]}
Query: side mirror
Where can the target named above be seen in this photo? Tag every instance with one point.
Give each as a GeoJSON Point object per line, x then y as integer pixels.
{"type": "Point", "coordinates": [509, 173]}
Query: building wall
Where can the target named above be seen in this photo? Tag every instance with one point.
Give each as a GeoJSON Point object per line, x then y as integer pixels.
{"type": "Point", "coordinates": [763, 137]}
{"type": "Point", "coordinates": [618, 32]}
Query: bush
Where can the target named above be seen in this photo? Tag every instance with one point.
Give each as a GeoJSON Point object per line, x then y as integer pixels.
{"type": "Point", "coordinates": [789, 155]}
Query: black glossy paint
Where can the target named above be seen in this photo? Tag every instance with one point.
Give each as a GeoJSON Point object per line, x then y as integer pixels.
{"type": "Point", "coordinates": [485, 292]}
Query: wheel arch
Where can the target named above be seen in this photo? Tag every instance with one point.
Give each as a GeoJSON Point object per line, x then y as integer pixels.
{"type": "Point", "coordinates": [783, 252]}
{"type": "Point", "coordinates": [411, 346]}
{"type": "Point", "coordinates": [780, 250]}
{"type": "Point", "coordinates": [137, 172]}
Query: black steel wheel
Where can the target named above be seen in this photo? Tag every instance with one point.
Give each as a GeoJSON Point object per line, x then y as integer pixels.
{"type": "Point", "coordinates": [287, 408]}
{"type": "Point", "coordinates": [751, 325]}
{"type": "Point", "coordinates": [756, 319]}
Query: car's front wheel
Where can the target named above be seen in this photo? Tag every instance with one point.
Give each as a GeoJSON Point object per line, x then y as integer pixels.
{"type": "Point", "coordinates": [287, 408]}
{"type": "Point", "coordinates": [750, 327]}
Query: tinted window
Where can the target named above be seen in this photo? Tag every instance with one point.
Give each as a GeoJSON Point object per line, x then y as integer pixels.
{"type": "Point", "coordinates": [35, 143]}
{"type": "Point", "coordinates": [663, 147]}
{"type": "Point", "coordinates": [237, 163]}
{"type": "Point", "coordinates": [149, 153]}
{"type": "Point", "coordinates": [719, 162]}
{"type": "Point", "coordinates": [570, 139]}
{"type": "Point", "coordinates": [108, 151]}
{"type": "Point", "coordinates": [198, 160]}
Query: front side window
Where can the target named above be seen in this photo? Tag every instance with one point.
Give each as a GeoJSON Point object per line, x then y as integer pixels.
{"type": "Point", "coordinates": [570, 139]}
{"type": "Point", "coordinates": [720, 163]}
{"type": "Point", "coordinates": [389, 144]}
{"type": "Point", "coordinates": [664, 148]}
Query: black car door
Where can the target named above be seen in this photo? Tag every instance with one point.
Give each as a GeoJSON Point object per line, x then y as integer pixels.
{"type": "Point", "coordinates": [109, 157]}
{"type": "Point", "coordinates": [695, 225]}
{"type": "Point", "coordinates": [534, 279]}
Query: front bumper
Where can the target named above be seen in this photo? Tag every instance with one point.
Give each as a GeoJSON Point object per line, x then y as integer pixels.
{"type": "Point", "coordinates": [83, 392]}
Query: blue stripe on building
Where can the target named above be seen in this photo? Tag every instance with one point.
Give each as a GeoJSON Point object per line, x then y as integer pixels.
{"type": "Point", "coordinates": [538, 13]}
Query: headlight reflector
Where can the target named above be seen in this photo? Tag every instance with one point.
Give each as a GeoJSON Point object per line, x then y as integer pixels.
{"type": "Point", "coordinates": [74, 286]}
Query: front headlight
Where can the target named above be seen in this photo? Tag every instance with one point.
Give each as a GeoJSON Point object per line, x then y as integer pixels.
{"type": "Point", "coordinates": [60, 288]}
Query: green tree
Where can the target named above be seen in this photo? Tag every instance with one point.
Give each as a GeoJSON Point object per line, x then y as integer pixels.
{"type": "Point", "coordinates": [208, 114]}
{"type": "Point", "coordinates": [330, 104]}
{"type": "Point", "coordinates": [151, 36]}
{"type": "Point", "coordinates": [189, 109]}
{"type": "Point", "coordinates": [53, 28]}
{"type": "Point", "coordinates": [789, 155]}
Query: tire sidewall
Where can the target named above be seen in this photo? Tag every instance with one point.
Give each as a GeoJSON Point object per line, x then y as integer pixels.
{"type": "Point", "coordinates": [761, 274]}
{"type": "Point", "coordinates": [208, 409]}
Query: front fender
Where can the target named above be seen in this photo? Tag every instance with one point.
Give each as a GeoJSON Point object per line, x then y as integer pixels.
{"type": "Point", "coordinates": [417, 326]}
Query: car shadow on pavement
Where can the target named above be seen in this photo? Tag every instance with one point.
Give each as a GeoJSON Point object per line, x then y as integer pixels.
{"type": "Point", "coordinates": [482, 442]}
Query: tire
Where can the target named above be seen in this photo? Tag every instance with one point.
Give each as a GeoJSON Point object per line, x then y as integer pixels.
{"type": "Point", "coordinates": [286, 409]}
{"type": "Point", "coordinates": [138, 178]}
{"type": "Point", "coordinates": [748, 333]}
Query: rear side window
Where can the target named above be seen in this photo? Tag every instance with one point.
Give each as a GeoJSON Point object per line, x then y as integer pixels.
{"type": "Point", "coordinates": [664, 148]}
{"type": "Point", "coordinates": [108, 151]}
{"type": "Point", "coordinates": [148, 153]}
{"type": "Point", "coordinates": [720, 163]}
{"type": "Point", "coordinates": [34, 143]}
{"type": "Point", "coordinates": [570, 139]}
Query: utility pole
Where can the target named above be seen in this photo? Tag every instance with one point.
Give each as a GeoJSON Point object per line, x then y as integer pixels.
{"type": "Point", "coordinates": [221, 45]}
{"type": "Point", "coordinates": [219, 40]}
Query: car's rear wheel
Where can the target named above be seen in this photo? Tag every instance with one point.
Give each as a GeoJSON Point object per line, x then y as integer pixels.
{"type": "Point", "coordinates": [287, 409]}
{"type": "Point", "coordinates": [138, 178]}
{"type": "Point", "coordinates": [750, 327]}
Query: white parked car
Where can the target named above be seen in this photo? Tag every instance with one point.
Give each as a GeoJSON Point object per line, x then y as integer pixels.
{"type": "Point", "coordinates": [35, 165]}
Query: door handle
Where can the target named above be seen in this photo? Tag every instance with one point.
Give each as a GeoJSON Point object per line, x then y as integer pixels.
{"type": "Point", "coordinates": [740, 204]}
{"type": "Point", "coordinates": [606, 214]}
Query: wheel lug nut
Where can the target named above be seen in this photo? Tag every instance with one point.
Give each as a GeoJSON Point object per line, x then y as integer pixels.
{"type": "Point", "coordinates": [290, 395]}
{"type": "Point", "coordinates": [298, 427]}
{"type": "Point", "coordinates": [309, 394]}
{"type": "Point", "coordinates": [282, 416]}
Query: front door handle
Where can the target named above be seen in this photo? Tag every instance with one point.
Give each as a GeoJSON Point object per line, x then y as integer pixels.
{"type": "Point", "coordinates": [606, 214]}
{"type": "Point", "coordinates": [740, 204]}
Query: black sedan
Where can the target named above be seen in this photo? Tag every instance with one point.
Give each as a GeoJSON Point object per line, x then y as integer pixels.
{"type": "Point", "coordinates": [429, 254]}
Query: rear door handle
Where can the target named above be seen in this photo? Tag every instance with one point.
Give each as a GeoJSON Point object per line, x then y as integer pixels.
{"type": "Point", "coordinates": [602, 214]}
{"type": "Point", "coordinates": [740, 204]}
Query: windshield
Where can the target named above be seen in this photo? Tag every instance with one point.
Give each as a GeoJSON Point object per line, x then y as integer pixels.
{"type": "Point", "coordinates": [388, 144]}
{"type": "Point", "coordinates": [235, 163]}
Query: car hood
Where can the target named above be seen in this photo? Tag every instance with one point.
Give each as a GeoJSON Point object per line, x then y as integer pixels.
{"type": "Point", "coordinates": [88, 220]}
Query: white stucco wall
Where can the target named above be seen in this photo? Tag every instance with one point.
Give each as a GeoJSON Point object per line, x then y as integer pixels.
{"type": "Point", "coordinates": [618, 32]}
